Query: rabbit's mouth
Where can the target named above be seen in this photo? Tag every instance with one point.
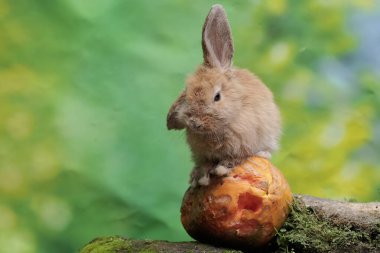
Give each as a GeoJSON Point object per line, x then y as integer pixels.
{"type": "Point", "coordinates": [198, 129]}
{"type": "Point", "coordinates": [196, 125]}
{"type": "Point", "coordinates": [201, 130]}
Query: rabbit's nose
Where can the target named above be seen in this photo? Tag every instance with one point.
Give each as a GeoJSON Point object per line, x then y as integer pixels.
{"type": "Point", "coordinates": [195, 124]}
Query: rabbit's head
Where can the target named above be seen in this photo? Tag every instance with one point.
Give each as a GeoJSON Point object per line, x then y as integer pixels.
{"type": "Point", "coordinates": [219, 97]}
{"type": "Point", "coordinates": [202, 106]}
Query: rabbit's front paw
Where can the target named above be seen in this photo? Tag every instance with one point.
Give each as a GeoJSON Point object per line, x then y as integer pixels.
{"type": "Point", "coordinates": [204, 180]}
{"type": "Point", "coordinates": [264, 154]}
{"type": "Point", "coordinates": [224, 167]}
{"type": "Point", "coordinates": [200, 176]}
{"type": "Point", "coordinates": [221, 170]}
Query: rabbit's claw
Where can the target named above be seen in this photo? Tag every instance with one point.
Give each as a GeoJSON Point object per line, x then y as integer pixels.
{"type": "Point", "coordinates": [204, 180]}
{"type": "Point", "coordinates": [264, 154]}
{"type": "Point", "coordinates": [221, 170]}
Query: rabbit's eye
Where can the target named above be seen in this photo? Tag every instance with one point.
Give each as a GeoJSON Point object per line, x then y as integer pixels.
{"type": "Point", "coordinates": [217, 97]}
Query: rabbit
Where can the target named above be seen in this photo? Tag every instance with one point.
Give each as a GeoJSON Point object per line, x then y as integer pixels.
{"type": "Point", "coordinates": [228, 113]}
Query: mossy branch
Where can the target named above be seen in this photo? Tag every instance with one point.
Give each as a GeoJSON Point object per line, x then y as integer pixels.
{"type": "Point", "coordinates": [322, 225]}
{"type": "Point", "coordinates": [116, 244]}
{"type": "Point", "coordinates": [314, 225]}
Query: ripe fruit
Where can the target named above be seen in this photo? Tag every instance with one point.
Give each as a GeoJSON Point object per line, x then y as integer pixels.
{"type": "Point", "coordinates": [243, 209]}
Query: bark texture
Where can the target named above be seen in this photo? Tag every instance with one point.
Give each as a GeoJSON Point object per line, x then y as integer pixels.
{"type": "Point", "coordinates": [314, 225]}
{"type": "Point", "coordinates": [322, 225]}
{"type": "Point", "coordinates": [364, 216]}
{"type": "Point", "coordinates": [116, 244]}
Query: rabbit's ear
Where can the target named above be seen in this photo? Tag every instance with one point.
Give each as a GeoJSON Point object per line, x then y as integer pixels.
{"type": "Point", "coordinates": [172, 120]}
{"type": "Point", "coordinates": [216, 39]}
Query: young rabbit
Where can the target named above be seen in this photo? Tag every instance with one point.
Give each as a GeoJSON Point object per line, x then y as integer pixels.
{"type": "Point", "coordinates": [228, 113]}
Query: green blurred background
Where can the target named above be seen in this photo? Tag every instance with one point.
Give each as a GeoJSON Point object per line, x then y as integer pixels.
{"type": "Point", "coordinates": [85, 86]}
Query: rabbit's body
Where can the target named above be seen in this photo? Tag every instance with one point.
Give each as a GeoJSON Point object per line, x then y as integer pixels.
{"type": "Point", "coordinates": [228, 113]}
{"type": "Point", "coordinates": [248, 123]}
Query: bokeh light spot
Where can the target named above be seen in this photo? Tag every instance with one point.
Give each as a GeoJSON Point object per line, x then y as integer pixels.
{"type": "Point", "coordinates": [19, 125]}
{"type": "Point", "coordinates": [333, 134]}
{"type": "Point", "coordinates": [7, 218]}
{"type": "Point", "coordinates": [280, 53]}
{"type": "Point", "coordinates": [53, 212]}
{"type": "Point", "coordinates": [4, 8]}
{"type": "Point", "coordinates": [44, 164]}
{"type": "Point", "coordinates": [11, 180]}
{"type": "Point", "coordinates": [276, 7]}
{"type": "Point", "coordinates": [17, 241]}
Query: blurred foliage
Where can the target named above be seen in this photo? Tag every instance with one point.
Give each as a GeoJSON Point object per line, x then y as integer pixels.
{"type": "Point", "coordinates": [85, 87]}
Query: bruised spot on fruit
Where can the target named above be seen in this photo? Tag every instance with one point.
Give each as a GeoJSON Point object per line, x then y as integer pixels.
{"type": "Point", "coordinates": [246, 227]}
{"type": "Point", "coordinates": [219, 206]}
{"type": "Point", "coordinates": [256, 181]}
{"type": "Point", "coordinates": [249, 202]}
{"type": "Point", "coordinates": [263, 185]}
{"type": "Point", "coordinates": [268, 229]}
{"type": "Point", "coordinates": [266, 208]}
{"type": "Point", "coordinates": [223, 200]}
{"type": "Point", "coordinates": [252, 179]}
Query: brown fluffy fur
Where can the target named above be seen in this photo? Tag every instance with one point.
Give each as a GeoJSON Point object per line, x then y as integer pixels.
{"type": "Point", "coordinates": [244, 122]}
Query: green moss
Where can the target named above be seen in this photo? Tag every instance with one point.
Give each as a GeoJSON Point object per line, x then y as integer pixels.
{"type": "Point", "coordinates": [117, 244]}
{"type": "Point", "coordinates": [305, 232]}
{"type": "Point", "coordinates": [108, 244]}
{"type": "Point", "coordinates": [148, 251]}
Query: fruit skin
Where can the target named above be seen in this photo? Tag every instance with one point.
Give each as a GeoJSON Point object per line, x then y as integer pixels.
{"type": "Point", "coordinates": [243, 209]}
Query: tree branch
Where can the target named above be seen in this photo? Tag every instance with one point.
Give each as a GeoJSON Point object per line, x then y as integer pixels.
{"type": "Point", "coordinates": [314, 225]}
